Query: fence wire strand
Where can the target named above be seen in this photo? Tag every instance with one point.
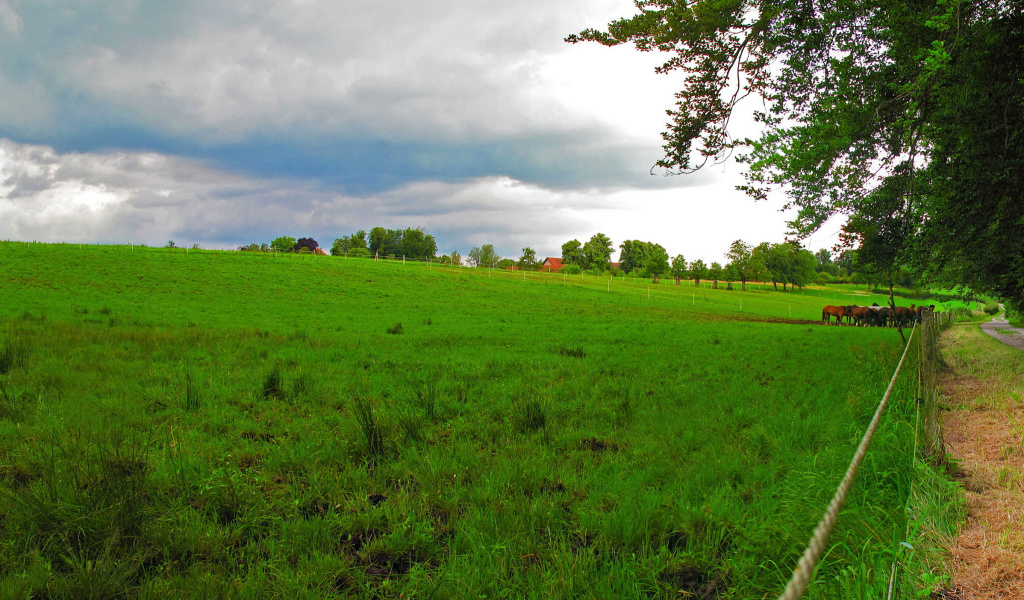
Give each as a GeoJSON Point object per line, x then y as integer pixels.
{"type": "Point", "coordinates": [805, 567]}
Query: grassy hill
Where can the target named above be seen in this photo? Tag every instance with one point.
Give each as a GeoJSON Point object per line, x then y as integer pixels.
{"type": "Point", "coordinates": [207, 424]}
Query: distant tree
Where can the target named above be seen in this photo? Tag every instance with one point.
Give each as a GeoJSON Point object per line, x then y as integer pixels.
{"type": "Point", "coordinates": [341, 246]}
{"type": "Point", "coordinates": [506, 263]}
{"type": "Point", "coordinates": [283, 244]}
{"type": "Point", "coordinates": [679, 268]}
{"type": "Point", "coordinates": [729, 274]}
{"type": "Point", "coordinates": [845, 261]}
{"type": "Point", "coordinates": [714, 274]}
{"type": "Point", "coordinates": [572, 253]}
{"type": "Point", "coordinates": [657, 262]}
{"type": "Point", "coordinates": [744, 262]}
{"type": "Point", "coordinates": [597, 253]}
{"type": "Point", "coordinates": [308, 243]}
{"type": "Point", "coordinates": [378, 236]}
{"type": "Point", "coordinates": [824, 261]}
{"type": "Point", "coordinates": [698, 270]}
{"type": "Point", "coordinates": [632, 256]}
{"type": "Point", "coordinates": [528, 260]}
{"type": "Point", "coordinates": [171, 244]}
{"type": "Point", "coordinates": [359, 253]}
{"type": "Point", "coordinates": [802, 263]}
{"type": "Point", "coordinates": [455, 259]}
{"type": "Point", "coordinates": [415, 243]}
{"type": "Point", "coordinates": [483, 256]}
{"type": "Point", "coordinates": [346, 243]}
{"type": "Point", "coordinates": [775, 261]}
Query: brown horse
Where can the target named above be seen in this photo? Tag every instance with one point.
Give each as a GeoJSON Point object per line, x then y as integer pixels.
{"type": "Point", "coordinates": [885, 315]}
{"type": "Point", "coordinates": [903, 316]}
{"type": "Point", "coordinates": [863, 315]}
{"type": "Point", "coordinates": [848, 313]}
{"type": "Point", "coordinates": [832, 311]}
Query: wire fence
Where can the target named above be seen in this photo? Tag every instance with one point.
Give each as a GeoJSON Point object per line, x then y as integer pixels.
{"type": "Point", "coordinates": [928, 444]}
{"type": "Point", "coordinates": [930, 436]}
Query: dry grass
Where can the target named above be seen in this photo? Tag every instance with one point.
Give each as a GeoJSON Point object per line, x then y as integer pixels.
{"type": "Point", "coordinates": [983, 431]}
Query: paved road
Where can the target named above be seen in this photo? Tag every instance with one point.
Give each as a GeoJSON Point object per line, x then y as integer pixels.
{"type": "Point", "coordinates": [1000, 329]}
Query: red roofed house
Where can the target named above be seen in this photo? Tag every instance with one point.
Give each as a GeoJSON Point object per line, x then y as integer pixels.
{"type": "Point", "coordinates": [551, 265]}
{"type": "Point", "coordinates": [554, 265]}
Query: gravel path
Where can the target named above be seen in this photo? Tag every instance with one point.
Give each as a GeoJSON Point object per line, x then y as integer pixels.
{"type": "Point", "coordinates": [1000, 329]}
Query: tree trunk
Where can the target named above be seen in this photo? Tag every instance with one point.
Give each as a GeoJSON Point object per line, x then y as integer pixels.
{"type": "Point", "coordinates": [743, 285]}
{"type": "Point", "coordinates": [655, 278]}
{"type": "Point", "coordinates": [696, 283]}
{"type": "Point", "coordinates": [677, 280]}
{"type": "Point", "coordinates": [775, 284]}
{"type": "Point", "coordinates": [714, 285]}
{"type": "Point", "coordinates": [892, 305]}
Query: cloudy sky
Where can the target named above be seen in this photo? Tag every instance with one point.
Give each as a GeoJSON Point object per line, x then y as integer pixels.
{"type": "Point", "coordinates": [222, 123]}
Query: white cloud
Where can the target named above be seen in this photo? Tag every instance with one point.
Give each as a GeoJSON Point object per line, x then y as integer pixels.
{"type": "Point", "coordinates": [9, 18]}
{"type": "Point", "coordinates": [122, 197]}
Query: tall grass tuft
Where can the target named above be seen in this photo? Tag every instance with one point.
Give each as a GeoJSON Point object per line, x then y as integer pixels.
{"type": "Point", "coordinates": [428, 399]}
{"type": "Point", "coordinates": [273, 384]}
{"type": "Point", "coordinates": [573, 351]}
{"type": "Point", "coordinates": [412, 427]}
{"type": "Point", "coordinates": [193, 389]}
{"type": "Point", "coordinates": [372, 433]}
{"type": "Point", "coordinates": [13, 354]}
{"type": "Point", "coordinates": [395, 329]}
{"type": "Point", "coordinates": [302, 385]}
{"type": "Point", "coordinates": [624, 409]}
{"type": "Point", "coordinates": [532, 416]}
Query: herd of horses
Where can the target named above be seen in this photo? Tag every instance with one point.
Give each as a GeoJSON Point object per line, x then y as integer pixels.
{"type": "Point", "coordinates": [875, 315]}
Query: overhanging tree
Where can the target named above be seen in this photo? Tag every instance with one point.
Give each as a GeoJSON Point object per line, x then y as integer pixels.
{"type": "Point", "coordinates": [858, 95]}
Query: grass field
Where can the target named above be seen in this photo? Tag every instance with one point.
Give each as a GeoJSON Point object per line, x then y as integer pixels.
{"type": "Point", "coordinates": [211, 424]}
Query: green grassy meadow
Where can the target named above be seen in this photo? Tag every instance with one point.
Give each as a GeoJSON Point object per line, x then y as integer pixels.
{"type": "Point", "coordinates": [214, 424]}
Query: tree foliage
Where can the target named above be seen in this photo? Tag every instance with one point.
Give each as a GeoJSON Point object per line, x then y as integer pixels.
{"type": "Point", "coordinates": [656, 263]}
{"type": "Point", "coordinates": [483, 256]}
{"type": "Point", "coordinates": [410, 243]}
{"type": "Point", "coordinates": [572, 253]}
{"type": "Point", "coordinates": [907, 114]}
{"type": "Point", "coordinates": [597, 253]}
{"type": "Point", "coordinates": [745, 264]}
{"type": "Point", "coordinates": [309, 244]}
{"type": "Point", "coordinates": [528, 260]}
{"type": "Point", "coordinates": [283, 244]}
{"type": "Point", "coordinates": [698, 271]}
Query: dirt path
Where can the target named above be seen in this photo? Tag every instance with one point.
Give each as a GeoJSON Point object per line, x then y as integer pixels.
{"type": "Point", "coordinates": [984, 431]}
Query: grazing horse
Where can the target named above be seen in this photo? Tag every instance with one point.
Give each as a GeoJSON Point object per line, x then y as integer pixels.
{"type": "Point", "coordinates": [848, 313]}
{"type": "Point", "coordinates": [885, 315]}
{"type": "Point", "coordinates": [903, 315]}
{"type": "Point", "coordinates": [832, 311]}
{"type": "Point", "coordinates": [863, 315]}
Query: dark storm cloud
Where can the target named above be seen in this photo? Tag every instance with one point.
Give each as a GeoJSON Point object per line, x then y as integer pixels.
{"type": "Point", "coordinates": [366, 95]}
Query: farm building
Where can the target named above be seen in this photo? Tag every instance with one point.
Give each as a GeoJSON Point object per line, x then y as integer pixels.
{"type": "Point", "coordinates": [551, 264]}
{"type": "Point", "coordinates": [554, 265]}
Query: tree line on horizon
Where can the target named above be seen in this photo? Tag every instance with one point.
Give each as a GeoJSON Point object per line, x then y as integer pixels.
{"type": "Point", "coordinates": [786, 263]}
